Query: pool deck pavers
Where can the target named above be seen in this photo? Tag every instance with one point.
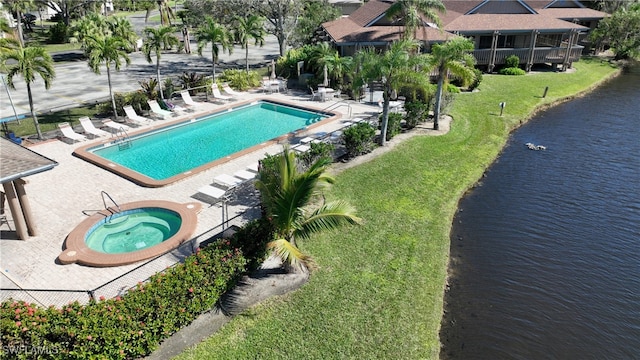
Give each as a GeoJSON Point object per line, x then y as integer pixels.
{"type": "Point", "coordinates": [58, 198]}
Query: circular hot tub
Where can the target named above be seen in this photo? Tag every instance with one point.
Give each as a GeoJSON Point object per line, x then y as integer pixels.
{"type": "Point", "coordinates": [135, 232]}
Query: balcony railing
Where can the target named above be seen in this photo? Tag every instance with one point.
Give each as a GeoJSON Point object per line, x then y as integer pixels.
{"type": "Point", "coordinates": [541, 55]}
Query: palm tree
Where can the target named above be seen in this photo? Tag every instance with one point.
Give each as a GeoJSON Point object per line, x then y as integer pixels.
{"type": "Point", "coordinates": [121, 27]}
{"type": "Point", "coordinates": [90, 24]}
{"type": "Point", "coordinates": [20, 6]}
{"type": "Point", "coordinates": [317, 55]}
{"type": "Point", "coordinates": [338, 66]}
{"type": "Point", "coordinates": [411, 11]}
{"type": "Point", "coordinates": [166, 13]}
{"type": "Point", "coordinates": [451, 58]}
{"type": "Point", "coordinates": [27, 62]}
{"type": "Point", "coordinates": [395, 67]}
{"type": "Point", "coordinates": [108, 50]}
{"type": "Point", "coordinates": [155, 41]}
{"type": "Point", "coordinates": [287, 197]}
{"type": "Point", "coordinates": [211, 32]}
{"type": "Point", "coordinates": [249, 28]}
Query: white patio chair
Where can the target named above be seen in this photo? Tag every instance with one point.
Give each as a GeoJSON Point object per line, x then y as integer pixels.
{"type": "Point", "coordinates": [188, 101]}
{"type": "Point", "coordinates": [210, 193]}
{"type": "Point", "coordinates": [227, 89]}
{"type": "Point", "coordinates": [134, 117]}
{"type": "Point", "coordinates": [89, 128]}
{"type": "Point", "coordinates": [217, 95]}
{"type": "Point", "coordinates": [69, 133]}
{"type": "Point", "coordinates": [227, 181]}
{"type": "Point", "coordinates": [115, 126]}
{"type": "Point", "coordinates": [156, 109]}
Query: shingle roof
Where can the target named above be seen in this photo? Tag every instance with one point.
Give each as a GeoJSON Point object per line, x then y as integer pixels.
{"type": "Point", "coordinates": [369, 11]}
{"type": "Point", "coordinates": [573, 13]}
{"type": "Point", "coordinates": [506, 22]}
{"type": "Point", "coordinates": [17, 161]}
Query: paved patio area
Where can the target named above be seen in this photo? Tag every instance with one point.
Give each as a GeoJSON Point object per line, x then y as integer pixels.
{"type": "Point", "coordinates": [58, 198]}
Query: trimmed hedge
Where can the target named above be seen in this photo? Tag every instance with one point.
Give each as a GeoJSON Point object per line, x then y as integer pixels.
{"type": "Point", "coordinates": [125, 327]}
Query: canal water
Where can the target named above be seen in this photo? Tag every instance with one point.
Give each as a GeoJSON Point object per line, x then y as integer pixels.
{"type": "Point", "coordinates": [545, 252]}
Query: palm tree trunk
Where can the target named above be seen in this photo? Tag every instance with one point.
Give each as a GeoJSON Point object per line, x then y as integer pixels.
{"type": "Point", "coordinates": [246, 57]}
{"type": "Point", "coordinates": [113, 99]}
{"type": "Point", "coordinates": [20, 32]}
{"type": "Point", "coordinates": [158, 76]}
{"type": "Point", "coordinates": [213, 60]}
{"type": "Point", "coordinates": [436, 111]}
{"type": "Point", "coordinates": [385, 115]}
{"type": "Point", "coordinates": [33, 113]}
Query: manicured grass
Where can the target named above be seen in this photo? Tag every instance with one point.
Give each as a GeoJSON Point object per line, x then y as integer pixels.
{"type": "Point", "coordinates": [49, 121]}
{"type": "Point", "coordinates": [378, 293]}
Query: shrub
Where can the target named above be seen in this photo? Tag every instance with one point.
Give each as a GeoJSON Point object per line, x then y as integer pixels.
{"type": "Point", "coordinates": [150, 88]}
{"type": "Point", "coordinates": [512, 71]}
{"type": "Point", "coordinates": [193, 81]}
{"type": "Point", "coordinates": [512, 61]}
{"type": "Point", "coordinates": [130, 326]}
{"type": "Point", "coordinates": [240, 79]}
{"type": "Point", "coordinates": [477, 80]}
{"type": "Point", "coordinates": [287, 65]}
{"type": "Point", "coordinates": [414, 92]}
{"type": "Point", "coordinates": [452, 89]}
{"type": "Point", "coordinates": [169, 88]}
{"type": "Point", "coordinates": [58, 33]}
{"type": "Point", "coordinates": [316, 151]}
{"type": "Point", "coordinates": [416, 112]}
{"type": "Point", "coordinates": [394, 124]}
{"type": "Point", "coordinates": [358, 139]}
{"type": "Point", "coordinates": [252, 240]}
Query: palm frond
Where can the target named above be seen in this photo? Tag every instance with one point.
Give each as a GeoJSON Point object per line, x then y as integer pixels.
{"type": "Point", "coordinates": [291, 255]}
{"type": "Point", "coordinates": [327, 217]}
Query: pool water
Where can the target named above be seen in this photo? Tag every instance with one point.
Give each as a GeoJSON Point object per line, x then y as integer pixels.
{"type": "Point", "coordinates": [133, 230]}
{"type": "Point", "coordinates": [167, 152]}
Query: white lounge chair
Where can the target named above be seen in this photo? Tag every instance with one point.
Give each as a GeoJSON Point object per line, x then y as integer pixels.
{"type": "Point", "coordinates": [115, 126]}
{"type": "Point", "coordinates": [186, 97]}
{"type": "Point", "coordinates": [227, 181]}
{"type": "Point", "coordinates": [156, 109]}
{"type": "Point", "coordinates": [211, 193]}
{"type": "Point", "coordinates": [217, 95]}
{"type": "Point", "coordinates": [253, 167]}
{"type": "Point", "coordinates": [134, 117]}
{"type": "Point", "coordinates": [69, 133]}
{"type": "Point", "coordinates": [244, 175]}
{"type": "Point", "coordinates": [227, 89]}
{"type": "Point", "coordinates": [89, 128]}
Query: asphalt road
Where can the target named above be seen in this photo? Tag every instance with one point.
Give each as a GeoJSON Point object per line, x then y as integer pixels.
{"type": "Point", "coordinates": [75, 84]}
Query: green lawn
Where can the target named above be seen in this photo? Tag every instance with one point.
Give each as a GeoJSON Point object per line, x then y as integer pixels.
{"type": "Point", "coordinates": [379, 289]}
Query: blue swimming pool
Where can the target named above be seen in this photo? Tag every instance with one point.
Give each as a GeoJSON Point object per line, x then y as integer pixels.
{"type": "Point", "coordinates": [165, 153]}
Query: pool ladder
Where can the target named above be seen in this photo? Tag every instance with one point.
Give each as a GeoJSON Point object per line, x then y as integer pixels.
{"type": "Point", "coordinates": [111, 210]}
{"type": "Point", "coordinates": [122, 139]}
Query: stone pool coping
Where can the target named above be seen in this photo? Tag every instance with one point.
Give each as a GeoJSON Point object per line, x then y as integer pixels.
{"type": "Point", "coordinates": [76, 250]}
{"type": "Point", "coordinates": [142, 180]}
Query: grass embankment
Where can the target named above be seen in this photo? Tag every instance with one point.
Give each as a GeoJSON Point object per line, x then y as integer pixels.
{"type": "Point", "coordinates": [379, 291]}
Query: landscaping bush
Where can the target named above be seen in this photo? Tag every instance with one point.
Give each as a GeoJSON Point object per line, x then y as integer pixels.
{"type": "Point", "coordinates": [476, 82]}
{"type": "Point", "coordinates": [452, 89]}
{"type": "Point", "coordinates": [58, 33]}
{"type": "Point", "coordinates": [240, 79]}
{"type": "Point", "coordinates": [359, 139]}
{"type": "Point", "coordinates": [414, 92]}
{"type": "Point", "coordinates": [512, 61]}
{"type": "Point", "coordinates": [394, 124]}
{"type": "Point", "coordinates": [252, 240]}
{"type": "Point", "coordinates": [287, 65]}
{"type": "Point", "coordinates": [192, 81]}
{"type": "Point", "coordinates": [316, 151]}
{"type": "Point", "coordinates": [512, 71]}
{"type": "Point", "coordinates": [126, 327]}
{"type": "Point", "coordinates": [416, 112]}
{"type": "Point", "coordinates": [149, 87]}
